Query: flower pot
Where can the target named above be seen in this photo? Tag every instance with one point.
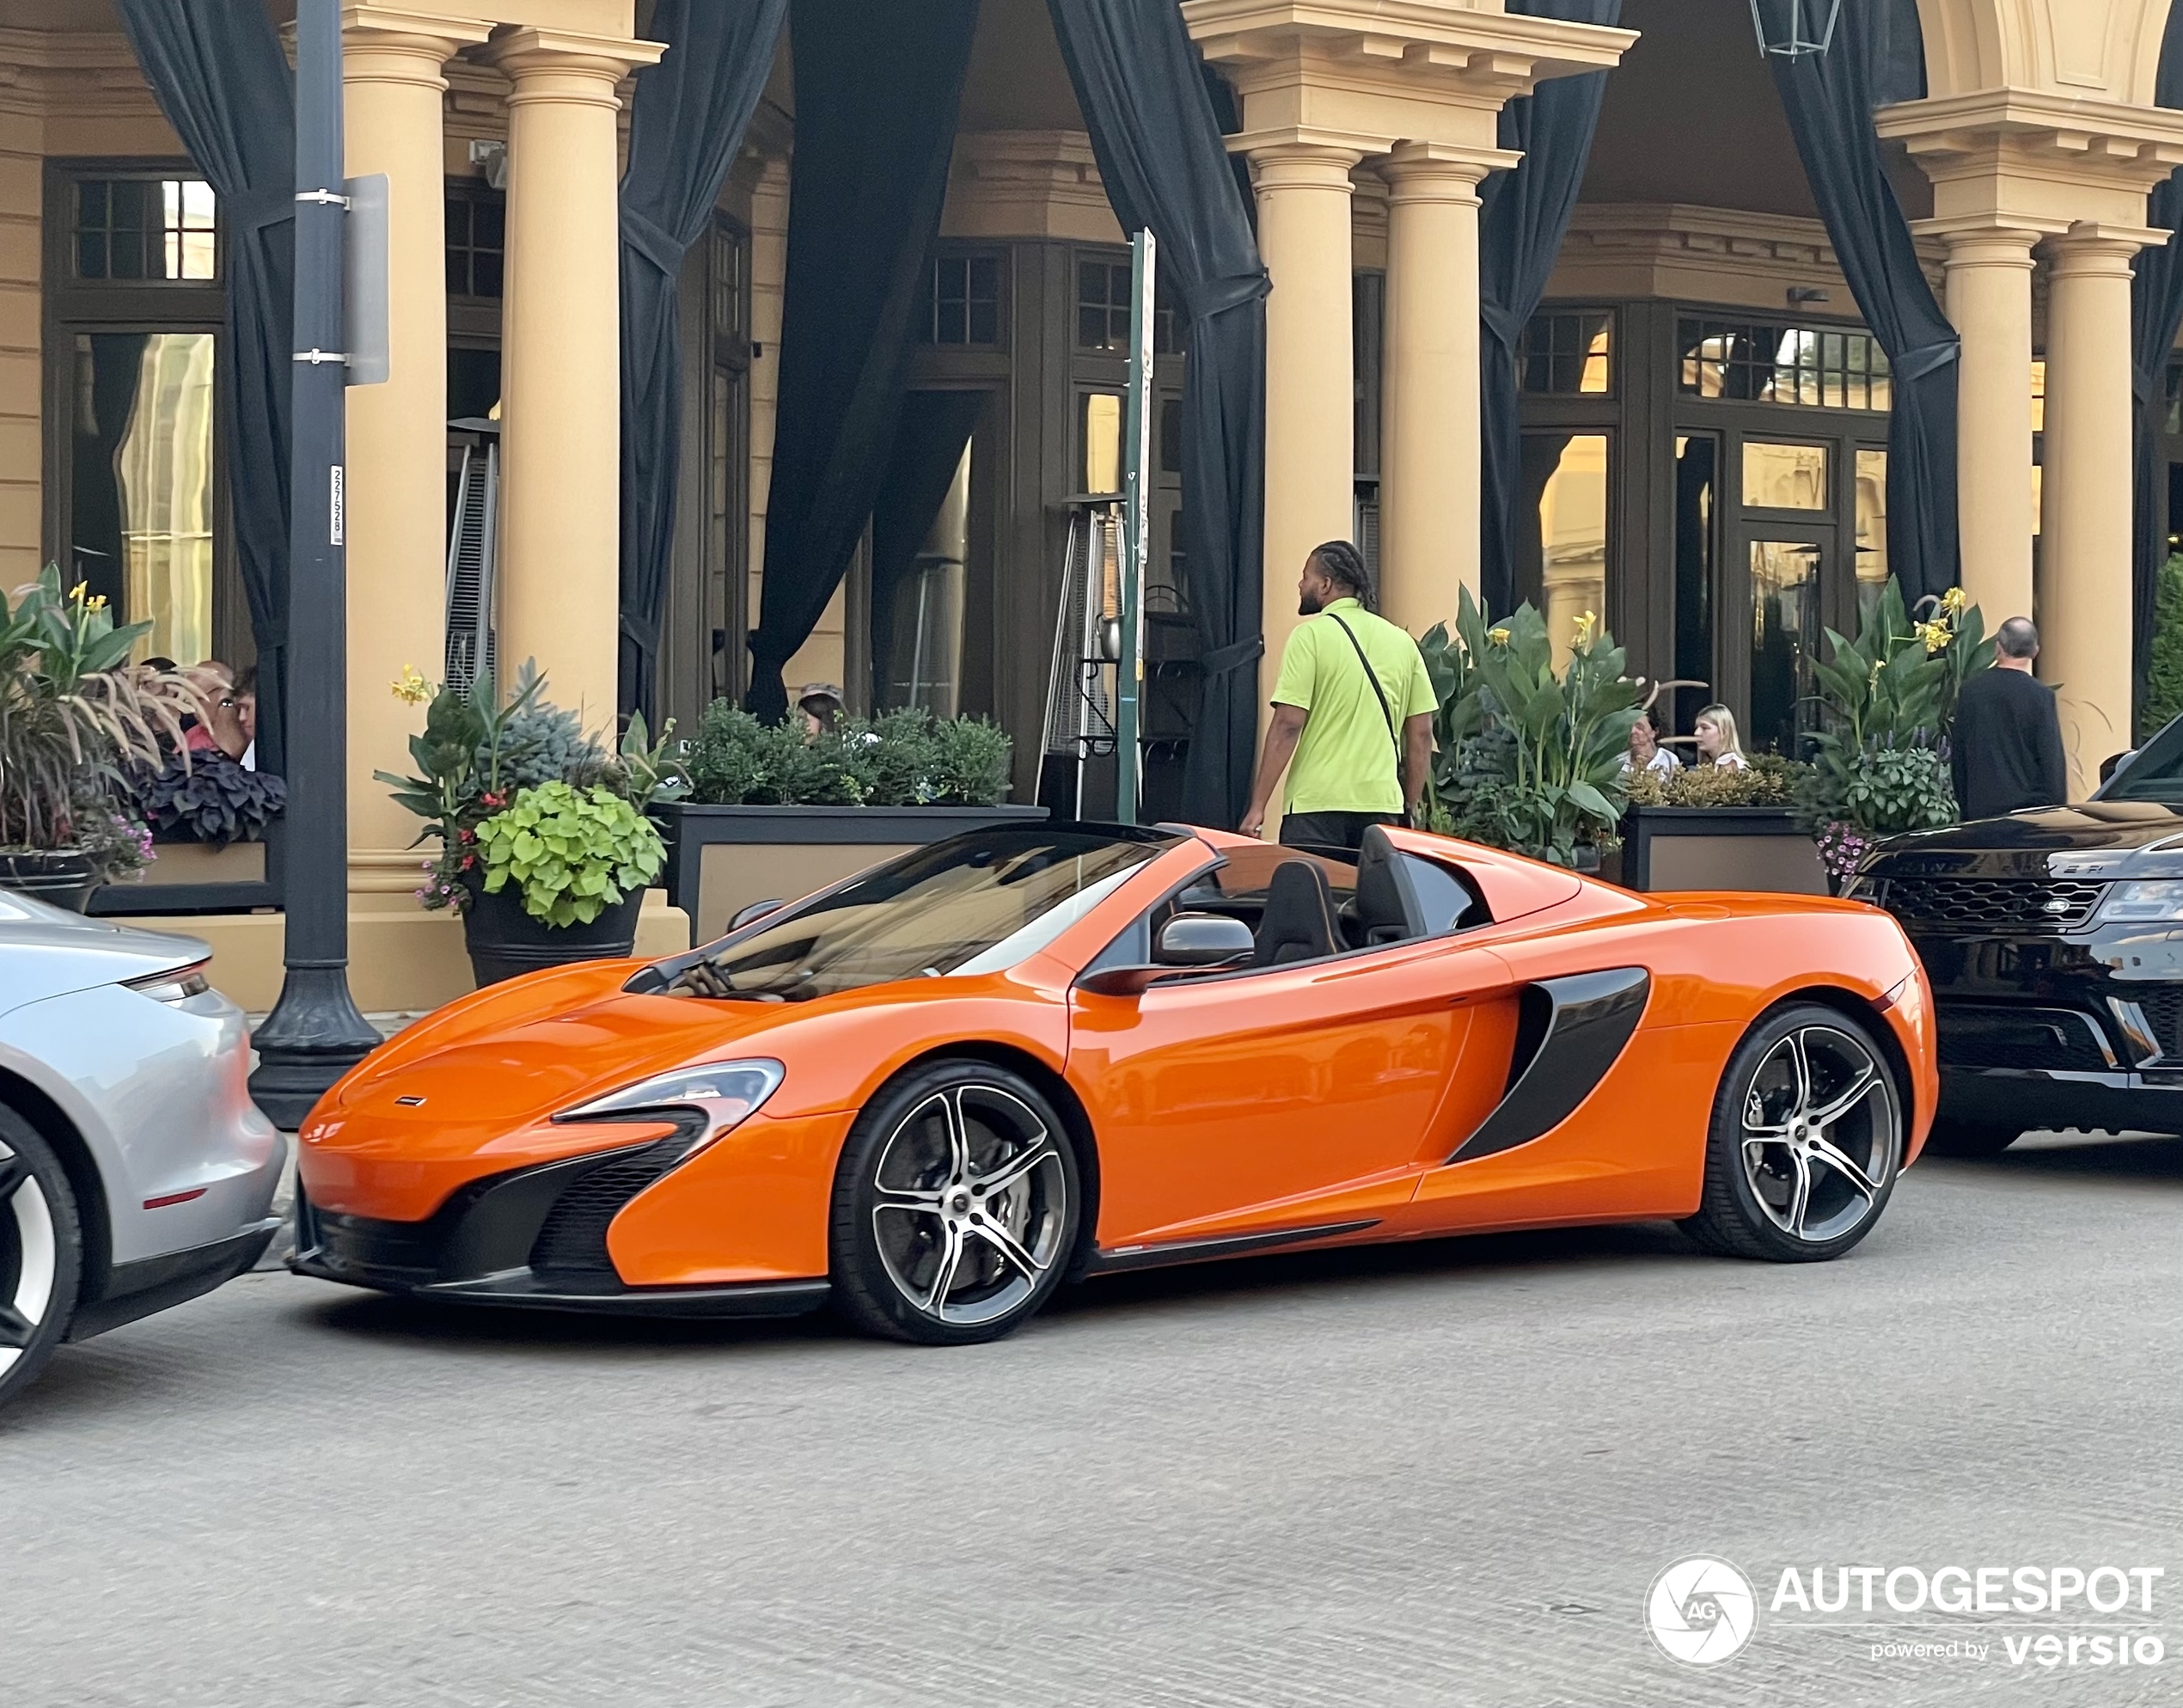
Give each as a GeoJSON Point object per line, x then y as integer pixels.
{"type": "Point", "coordinates": [61, 878]}
{"type": "Point", "coordinates": [505, 942]}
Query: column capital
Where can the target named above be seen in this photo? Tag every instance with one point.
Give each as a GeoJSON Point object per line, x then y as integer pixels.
{"type": "Point", "coordinates": [1300, 157]}
{"type": "Point", "coordinates": [2091, 248]}
{"type": "Point", "coordinates": [1436, 70]}
{"type": "Point", "coordinates": [567, 64]}
{"type": "Point", "coordinates": [388, 44]}
{"type": "Point", "coordinates": [1441, 172]}
{"type": "Point", "coordinates": [1985, 241]}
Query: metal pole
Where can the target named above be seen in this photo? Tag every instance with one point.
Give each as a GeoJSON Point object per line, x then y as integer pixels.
{"type": "Point", "coordinates": [1136, 535]}
{"type": "Point", "coordinates": [314, 1033]}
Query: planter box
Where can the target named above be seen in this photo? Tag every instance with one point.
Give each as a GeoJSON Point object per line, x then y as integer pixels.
{"type": "Point", "coordinates": [194, 878]}
{"type": "Point", "coordinates": [722, 859]}
{"type": "Point", "coordinates": [1719, 847]}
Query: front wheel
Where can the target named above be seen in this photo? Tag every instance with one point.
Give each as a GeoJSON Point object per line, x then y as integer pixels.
{"type": "Point", "coordinates": [1806, 1140]}
{"type": "Point", "coordinates": [41, 1254]}
{"type": "Point", "coordinates": [955, 1208]}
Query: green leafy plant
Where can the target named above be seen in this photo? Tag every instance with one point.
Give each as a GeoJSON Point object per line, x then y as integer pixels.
{"type": "Point", "coordinates": [2162, 700]}
{"type": "Point", "coordinates": [970, 761]}
{"type": "Point", "coordinates": [1528, 758]}
{"type": "Point", "coordinates": [650, 771]}
{"type": "Point", "coordinates": [1770, 781]}
{"type": "Point", "coordinates": [572, 853]}
{"type": "Point", "coordinates": [901, 758]}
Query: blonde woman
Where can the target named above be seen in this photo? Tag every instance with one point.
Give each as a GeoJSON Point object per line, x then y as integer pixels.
{"type": "Point", "coordinates": [1715, 729]}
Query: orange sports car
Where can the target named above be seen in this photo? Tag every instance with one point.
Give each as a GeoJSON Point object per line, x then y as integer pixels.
{"type": "Point", "coordinates": [933, 1092]}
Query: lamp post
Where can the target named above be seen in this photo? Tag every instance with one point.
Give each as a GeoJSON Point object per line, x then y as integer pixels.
{"type": "Point", "coordinates": [1793, 28]}
{"type": "Point", "coordinates": [314, 1033]}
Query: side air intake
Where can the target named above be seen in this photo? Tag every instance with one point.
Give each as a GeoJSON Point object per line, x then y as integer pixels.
{"type": "Point", "coordinates": [1571, 1032]}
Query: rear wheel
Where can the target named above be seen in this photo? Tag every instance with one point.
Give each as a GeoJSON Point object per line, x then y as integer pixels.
{"type": "Point", "coordinates": [41, 1253]}
{"type": "Point", "coordinates": [1969, 1138]}
{"type": "Point", "coordinates": [955, 1208]}
{"type": "Point", "coordinates": [1806, 1140]}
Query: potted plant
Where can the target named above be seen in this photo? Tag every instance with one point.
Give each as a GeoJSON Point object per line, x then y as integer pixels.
{"type": "Point", "coordinates": [545, 848]}
{"type": "Point", "coordinates": [1530, 759]}
{"type": "Point", "coordinates": [777, 811]}
{"type": "Point", "coordinates": [1881, 758]}
{"type": "Point", "coordinates": [73, 711]}
{"type": "Point", "coordinates": [1707, 827]}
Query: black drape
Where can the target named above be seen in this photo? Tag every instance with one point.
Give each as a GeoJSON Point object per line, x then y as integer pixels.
{"type": "Point", "coordinates": [1141, 82]}
{"type": "Point", "coordinates": [2155, 317]}
{"type": "Point", "coordinates": [218, 74]}
{"type": "Point", "coordinates": [878, 86]}
{"type": "Point", "coordinates": [1829, 98]}
{"type": "Point", "coordinates": [927, 452]}
{"type": "Point", "coordinates": [686, 123]}
{"type": "Point", "coordinates": [1524, 216]}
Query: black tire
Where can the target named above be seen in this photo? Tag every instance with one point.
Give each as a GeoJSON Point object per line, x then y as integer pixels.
{"type": "Point", "coordinates": [913, 1188]}
{"type": "Point", "coordinates": [41, 1253]}
{"type": "Point", "coordinates": [1765, 1140]}
{"type": "Point", "coordinates": [1969, 1138]}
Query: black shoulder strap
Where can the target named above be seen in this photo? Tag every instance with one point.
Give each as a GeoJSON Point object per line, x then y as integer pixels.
{"type": "Point", "coordinates": [1378, 693]}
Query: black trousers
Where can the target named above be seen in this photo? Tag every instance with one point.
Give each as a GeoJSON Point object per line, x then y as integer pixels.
{"type": "Point", "coordinates": [1331, 830]}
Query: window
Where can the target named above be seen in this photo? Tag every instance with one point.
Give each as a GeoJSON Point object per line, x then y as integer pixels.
{"type": "Point", "coordinates": [1784, 476]}
{"type": "Point", "coordinates": [1872, 529]}
{"type": "Point", "coordinates": [730, 289]}
{"type": "Point", "coordinates": [1101, 438]}
{"type": "Point", "coordinates": [963, 302]}
{"type": "Point", "coordinates": [476, 242]}
{"type": "Point", "coordinates": [1804, 367]}
{"type": "Point", "coordinates": [1566, 354]}
{"type": "Point", "coordinates": [144, 228]}
{"type": "Point", "coordinates": [1103, 311]}
{"type": "Point", "coordinates": [1697, 474]}
{"type": "Point", "coordinates": [1562, 552]}
{"type": "Point", "coordinates": [1785, 583]}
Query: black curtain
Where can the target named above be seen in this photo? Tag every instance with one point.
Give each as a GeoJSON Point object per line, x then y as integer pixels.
{"type": "Point", "coordinates": [1830, 99]}
{"type": "Point", "coordinates": [686, 123]}
{"type": "Point", "coordinates": [927, 451]}
{"type": "Point", "coordinates": [1141, 82]}
{"type": "Point", "coordinates": [218, 74]}
{"type": "Point", "coordinates": [877, 86]}
{"type": "Point", "coordinates": [1524, 216]}
{"type": "Point", "coordinates": [2155, 317]}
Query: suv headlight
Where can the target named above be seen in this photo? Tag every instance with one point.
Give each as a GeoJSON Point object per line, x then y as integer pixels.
{"type": "Point", "coordinates": [173, 988]}
{"type": "Point", "coordinates": [1862, 887]}
{"type": "Point", "coordinates": [2144, 902]}
{"type": "Point", "coordinates": [725, 1093]}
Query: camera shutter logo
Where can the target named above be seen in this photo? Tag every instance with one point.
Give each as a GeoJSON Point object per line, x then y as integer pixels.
{"type": "Point", "coordinates": [1701, 1611]}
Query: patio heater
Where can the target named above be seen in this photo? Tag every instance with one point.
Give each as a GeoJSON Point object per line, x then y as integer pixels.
{"type": "Point", "coordinates": [1136, 516]}
{"type": "Point", "coordinates": [314, 1033]}
{"type": "Point", "coordinates": [1793, 28]}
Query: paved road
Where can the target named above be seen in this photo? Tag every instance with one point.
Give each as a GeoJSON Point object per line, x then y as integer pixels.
{"type": "Point", "coordinates": [1444, 1475]}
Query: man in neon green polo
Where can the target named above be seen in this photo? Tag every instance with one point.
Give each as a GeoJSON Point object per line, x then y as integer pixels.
{"type": "Point", "coordinates": [1353, 710]}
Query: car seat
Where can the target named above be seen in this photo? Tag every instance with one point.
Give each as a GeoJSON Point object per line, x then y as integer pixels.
{"type": "Point", "coordinates": [1298, 924]}
{"type": "Point", "coordinates": [1383, 912]}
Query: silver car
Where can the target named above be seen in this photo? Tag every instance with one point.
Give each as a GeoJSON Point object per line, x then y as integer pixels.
{"type": "Point", "coordinates": [134, 1171]}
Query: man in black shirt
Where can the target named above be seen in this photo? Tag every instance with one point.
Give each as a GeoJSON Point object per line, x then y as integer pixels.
{"type": "Point", "coordinates": [2007, 749]}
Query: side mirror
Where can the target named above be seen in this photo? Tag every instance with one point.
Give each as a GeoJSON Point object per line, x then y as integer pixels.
{"type": "Point", "coordinates": [754, 913]}
{"type": "Point", "coordinates": [1201, 939]}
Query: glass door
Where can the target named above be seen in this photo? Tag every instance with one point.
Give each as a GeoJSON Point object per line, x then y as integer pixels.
{"type": "Point", "coordinates": [1788, 579]}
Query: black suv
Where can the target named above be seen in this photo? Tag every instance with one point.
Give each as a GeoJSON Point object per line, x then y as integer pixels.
{"type": "Point", "coordinates": [2054, 940]}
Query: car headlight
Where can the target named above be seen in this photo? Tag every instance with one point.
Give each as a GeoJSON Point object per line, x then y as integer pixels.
{"type": "Point", "coordinates": [2143, 902]}
{"type": "Point", "coordinates": [722, 1094]}
{"type": "Point", "coordinates": [173, 988]}
{"type": "Point", "coordinates": [1862, 887]}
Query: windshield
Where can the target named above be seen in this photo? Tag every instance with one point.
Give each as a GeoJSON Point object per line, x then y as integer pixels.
{"type": "Point", "coordinates": [2154, 772]}
{"type": "Point", "coordinates": [975, 903]}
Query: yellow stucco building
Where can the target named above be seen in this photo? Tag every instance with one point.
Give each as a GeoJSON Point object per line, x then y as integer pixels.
{"type": "Point", "coordinates": [1705, 415]}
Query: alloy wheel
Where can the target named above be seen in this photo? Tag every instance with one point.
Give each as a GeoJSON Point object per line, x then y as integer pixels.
{"type": "Point", "coordinates": [29, 1255]}
{"type": "Point", "coordinates": [1821, 1133]}
{"type": "Point", "coordinates": [969, 1204]}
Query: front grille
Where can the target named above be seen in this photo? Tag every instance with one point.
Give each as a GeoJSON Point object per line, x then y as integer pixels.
{"type": "Point", "coordinates": [573, 1236]}
{"type": "Point", "coordinates": [2015, 904]}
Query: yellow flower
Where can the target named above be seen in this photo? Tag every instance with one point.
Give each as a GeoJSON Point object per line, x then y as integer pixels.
{"type": "Point", "coordinates": [1498, 636]}
{"type": "Point", "coordinates": [1955, 601]}
{"type": "Point", "coordinates": [411, 687]}
{"type": "Point", "coordinates": [77, 592]}
{"type": "Point", "coordinates": [1585, 625]}
{"type": "Point", "coordinates": [95, 602]}
{"type": "Point", "coordinates": [1935, 635]}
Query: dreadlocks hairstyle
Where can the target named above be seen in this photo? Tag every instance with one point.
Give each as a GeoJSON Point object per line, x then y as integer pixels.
{"type": "Point", "coordinates": [1344, 563]}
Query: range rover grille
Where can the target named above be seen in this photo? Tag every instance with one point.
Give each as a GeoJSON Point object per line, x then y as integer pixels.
{"type": "Point", "coordinates": [2018, 904]}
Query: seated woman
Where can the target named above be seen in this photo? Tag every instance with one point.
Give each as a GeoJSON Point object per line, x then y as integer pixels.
{"type": "Point", "coordinates": [1715, 729]}
{"type": "Point", "coordinates": [1646, 754]}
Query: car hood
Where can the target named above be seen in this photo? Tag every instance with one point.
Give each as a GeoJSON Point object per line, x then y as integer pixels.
{"type": "Point", "coordinates": [45, 952]}
{"type": "Point", "coordinates": [2096, 839]}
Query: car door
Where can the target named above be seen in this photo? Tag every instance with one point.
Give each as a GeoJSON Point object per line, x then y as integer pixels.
{"type": "Point", "coordinates": [1285, 1096]}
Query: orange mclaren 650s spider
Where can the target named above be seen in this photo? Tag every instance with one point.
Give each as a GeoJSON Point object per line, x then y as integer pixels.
{"type": "Point", "coordinates": [938, 1090]}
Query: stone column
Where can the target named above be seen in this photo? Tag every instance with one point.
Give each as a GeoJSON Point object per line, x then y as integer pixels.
{"type": "Point", "coordinates": [392, 78]}
{"type": "Point", "coordinates": [2083, 593]}
{"type": "Point", "coordinates": [1430, 444]}
{"type": "Point", "coordinates": [560, 362]}
{"type": "Point", "coordinates": [1989, 302]}
{"type": "Point", "coordinates": [1311, 385]}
